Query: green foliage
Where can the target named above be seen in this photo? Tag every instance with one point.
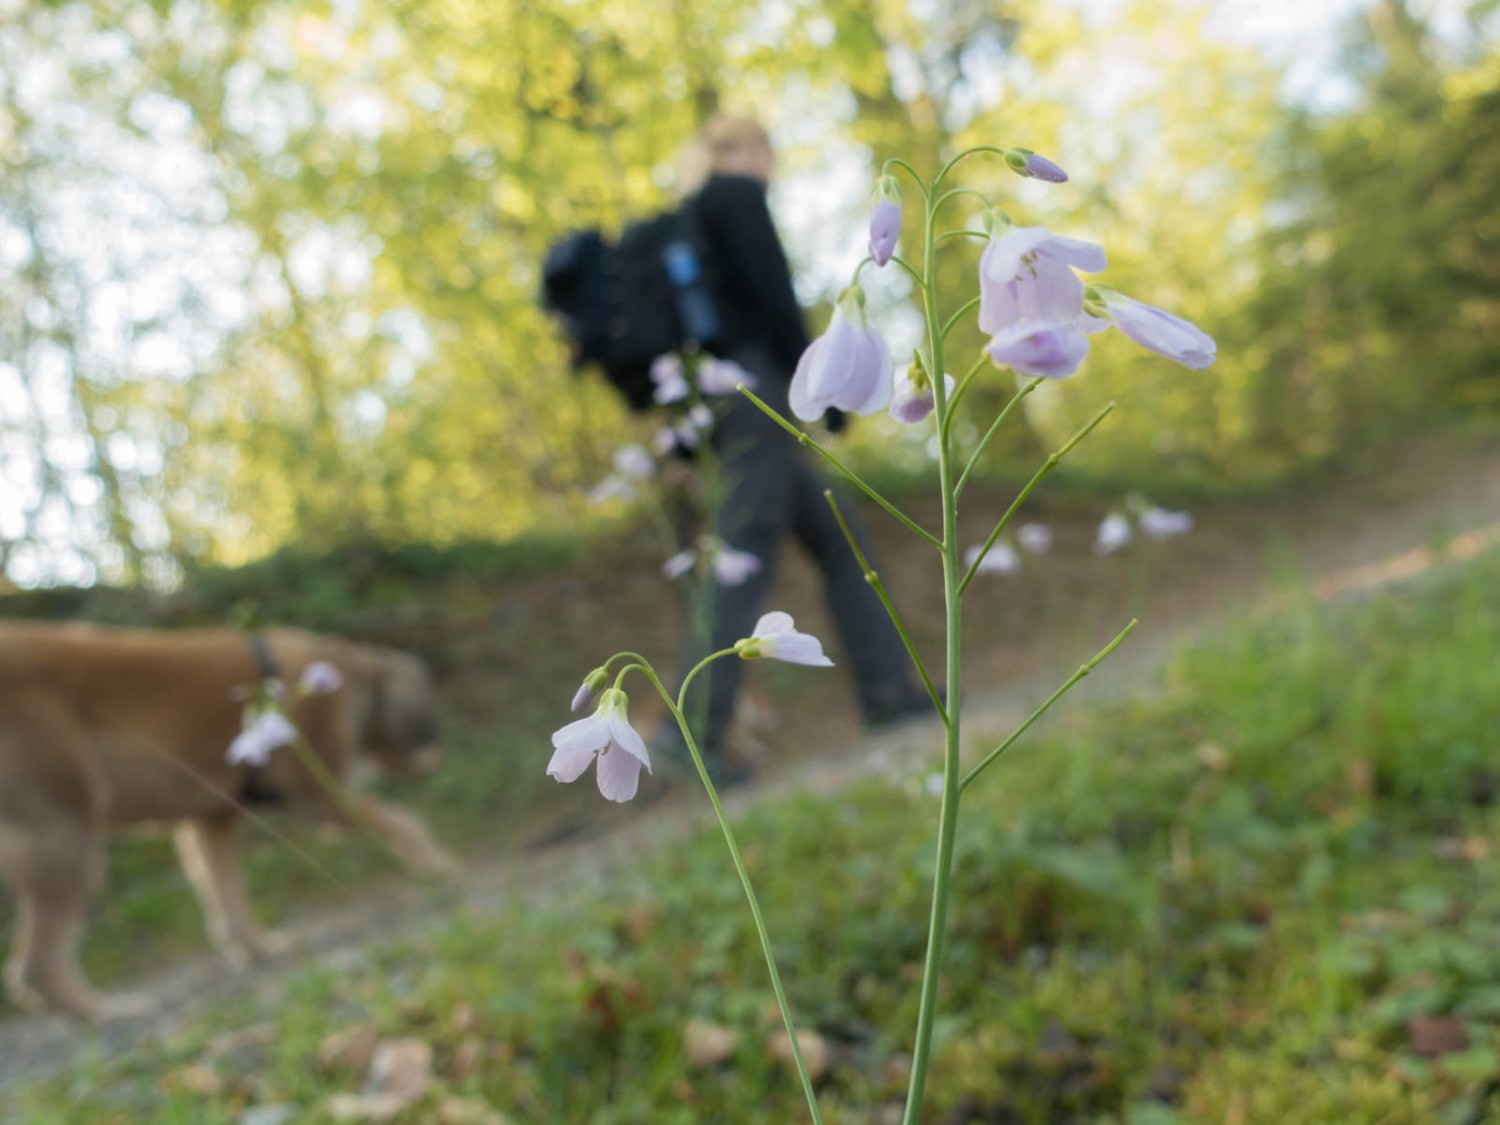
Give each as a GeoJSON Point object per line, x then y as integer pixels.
{"type": "Point", "coordinates": [377, 185]}
{"type": "Point", "coordinates": [1264, 889]}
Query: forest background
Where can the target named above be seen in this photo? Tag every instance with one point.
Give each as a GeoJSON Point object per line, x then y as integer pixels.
{"type": "Point", "coordinates": [269, 271]}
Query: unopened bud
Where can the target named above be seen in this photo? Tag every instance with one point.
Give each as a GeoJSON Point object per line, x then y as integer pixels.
{"type": "Point", "coordinates": [589, 688]}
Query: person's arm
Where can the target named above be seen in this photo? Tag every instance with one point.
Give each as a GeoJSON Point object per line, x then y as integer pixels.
{"type": "Point", "coordinates": [752, 263]}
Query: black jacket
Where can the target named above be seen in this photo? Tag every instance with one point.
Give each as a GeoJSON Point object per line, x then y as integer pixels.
{"type": "Point", "coordinates": [748, 271]}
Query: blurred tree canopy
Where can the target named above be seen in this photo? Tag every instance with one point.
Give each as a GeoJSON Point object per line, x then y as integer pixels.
{"type": "Point", "coordinates": [269, 271]}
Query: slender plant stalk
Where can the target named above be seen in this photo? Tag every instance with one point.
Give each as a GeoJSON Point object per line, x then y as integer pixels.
{"type": "Point", "coordinates": [948, 815]}
{"type": "Point", "coordinates": [843, 469]}
{"type": "Point", "coordinates": [1036, 479]}
{"type": "Point", "coordinates": [1015, 401]}
{"type": "Point", "coordinates": [739, 866]}
{"type": "Point", "coordinates": [1087, 667]}
{"type": "Point", "coordinates": [873, 578]}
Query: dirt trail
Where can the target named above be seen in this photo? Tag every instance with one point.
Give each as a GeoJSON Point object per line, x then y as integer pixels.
{"type": "Point", "coordinates": [1433, 499]}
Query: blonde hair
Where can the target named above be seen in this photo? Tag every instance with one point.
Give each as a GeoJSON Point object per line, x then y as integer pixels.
{"type": "Point", "coordinates": [718, 147]}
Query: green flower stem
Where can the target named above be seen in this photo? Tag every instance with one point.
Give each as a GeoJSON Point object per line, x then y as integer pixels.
{"type": "Point", "coordinates": [908, 267]}
{"type": "Point", "coordinates": [873, 578]}
{"type": "Point", "coordinates": [326, 781]}
{"type": "Point", "coordinates": [952, 592]}
{"type": "Point", "coordinates": [959, 392]}
{"type": "Point", "coordinates": [954, 319]}
{"type": "Point", "coordinates": [897, 162]}
{"type": "Point", "coordinates": [853, 478]}
{"type": "Point", "coordinates": [953, 192]}
{"type": "Point", "coordinates": [960, 158]}
{"type": "Point", "coordinates": [979, 234]}
{"type": "Point", "coordinates": [994, 427]}
{"type": "Point", "coordinates": [739, 867]}
{"type": "Point", "coordinates": [1083, 671]}
{"type": "Point", "coordinates": [1047, 467]}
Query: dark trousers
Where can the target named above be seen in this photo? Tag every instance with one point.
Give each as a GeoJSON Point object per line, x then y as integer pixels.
{"type": "Point", "coordinates": [768, 487]}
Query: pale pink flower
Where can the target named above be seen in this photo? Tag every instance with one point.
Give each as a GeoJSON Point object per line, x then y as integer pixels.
{"type": "Point", "coordinates": [1039, 348]}
{"type": "Point", "coordinates": [263, 734]}
{"type": "Point", "coordinates": [670, 378]}
{"type": "Point", "coordinates": [605, 736]}
{"type": "Point", "coordinates": [885, 220]}
{"type": "Point", "coordinates": [913, 399]}
{"type": "Point", "coordinates": [999, 559]}
{"type": "Point", "coordinates": [1035, 537]}
{"type": "Point", "coordinates": [848, 366]}
{"type": "Point", "coordinates": [320, 678]}
{"type": "Point", "coordinates": [588, 689]}
{"type": "Point", "coordinates": [722, 376]}
{"type": "Point", "coordinates": [776, 638]}
{"type": "Point", "coordinates": [635, 461]}
{"type": "Point", "coordinates": [680, 563]}
{"type": "Point", "coordinates": [1114, 532]}
{"type": "Point", "coordinates": [1156, 330]}
{"type": "Point", "coordinates": [733, 567]}
{"type": "Point", "coordinates": [1026, 274]}
{"type": "Point", "coordinates": [1159, 523]}
{"type": "Point", "coordinates": [1024, 162]}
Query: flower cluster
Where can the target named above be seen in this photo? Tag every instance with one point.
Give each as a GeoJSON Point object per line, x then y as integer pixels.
{"type": "Point", "coordinates": [1002, 558]}
{"type": "Point", "coordinates": [730, 567]}
{"type": "Point", "coordinates": [264, 727]}
{"type": "Point", "coordinates": [1118, 528]}
{"type": "Point", "coordinates": [1033, 305]}
{"type": "Point", "coordinates": [606, 736]}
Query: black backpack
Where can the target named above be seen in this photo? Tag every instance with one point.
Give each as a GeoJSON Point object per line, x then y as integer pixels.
{"type": "Point", "coordinates": [621, 304]}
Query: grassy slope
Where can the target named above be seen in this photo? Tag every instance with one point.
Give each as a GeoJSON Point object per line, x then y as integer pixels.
{"type": "Point", "coordinates": [1265, 891]}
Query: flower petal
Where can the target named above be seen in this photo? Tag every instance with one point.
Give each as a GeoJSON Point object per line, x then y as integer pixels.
{"type": "Point", "coordinates": [619, 774]}
{"type": "Point", "coordinates": [623, 735]}
{"type": "Point", "coordinates": [774, 623]}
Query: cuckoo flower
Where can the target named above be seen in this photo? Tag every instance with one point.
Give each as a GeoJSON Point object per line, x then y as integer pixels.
{"type": "Point", "coordinates": [589, 689]}
{"type": "Point", "coordinates": [731, 567]}
{"type": "Point", "coordinates": [1154, 329]}
{"type": "Point", "coordinates": [722, 376]}
{"type": "Point", "coordinates": [1159, 523]}
{"type": "Point", "coordinates": [1026, 274]}
{"type": "Point", "coordinates": [635, 461]}
{"type": "Point", "coordinates": [885, 220]}
{"type": "Point", "coordinates": [848, 366]}
{"type": "Point", "coordinates": [670, 378]}
{"type": "Point", "coordinates": [913, 397]}
{"type": "Point", "coordinates": [1113, 534]}
{"type": "Point", "coordinates": [260, 736]}
{"type": "Point", "coordinates": [1024, 162]}
{"type": "Point", "coordinates": [1043, 348]}
{"type": "Point", "coordinates": [999, 559]}
{"type": "Point", "coordinates": [607, 736]}
{"type": "Point", "coordinates": [776, 638]}
{"type": "Point", "coordinates": [1035, 537]}
{"type": "Point", "coordinates": [320, 678]}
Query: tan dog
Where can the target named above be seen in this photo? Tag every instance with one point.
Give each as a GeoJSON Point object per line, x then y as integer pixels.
{"type": "Point", "coordinates": [102, 728]}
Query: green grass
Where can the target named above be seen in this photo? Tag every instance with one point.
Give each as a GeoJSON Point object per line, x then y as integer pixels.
{"type": "Point", "coordinates": [1250, 892]}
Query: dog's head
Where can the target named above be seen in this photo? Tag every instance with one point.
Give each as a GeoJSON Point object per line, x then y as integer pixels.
{"type": "Point", "coordinates": [394, 711]}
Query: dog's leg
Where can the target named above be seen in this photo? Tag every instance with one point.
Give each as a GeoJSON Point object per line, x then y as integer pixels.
{"type": "Point", "coordinates": [55, 873]}
{"type": "Point", "coordinates": [406, 835]}
{"type": "Point", "coordinates": [211, 861]}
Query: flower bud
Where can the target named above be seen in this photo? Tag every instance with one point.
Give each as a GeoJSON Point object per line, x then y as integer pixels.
{"type": "Point", "coordinates": [589, 688]}
{"type": "Point", "coordinates": [885, 220]}
{"type": "Point", "coordinates": [1024, 162]}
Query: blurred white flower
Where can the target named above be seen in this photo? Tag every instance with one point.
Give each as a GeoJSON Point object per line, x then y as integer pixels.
{"type": "Point", "coordinates": [1159, 523]}
{"type": "Point", "coordinates": [1035, 537]}
{"type": "Point", "coordinates": [1113, 534]}
{"type": "Point", "coordinates": [1001, 559]}
{"type": "Point", "coordinates": [635, 461]}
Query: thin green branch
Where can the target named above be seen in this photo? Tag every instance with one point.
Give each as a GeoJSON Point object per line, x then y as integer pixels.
{"type": "Point", "coordinates": [853, 478]}
{"type": "Point", "coordinates": [972, 302]}
{"type": "Point", "coordinates": [1083, 671]}
{"type": "Point", "coordinates": [964, 233]}
{"type": "Point", "coordinates": [1015, 400]}
{"type": "Point", "coordinates": [739, 866]}
{"type": "Point", "coordinates": [953, 192]}
{"type": "Point", "coordinates": [960, 158]}
{"type": "Point", "coordinates": [960, 390]}
{"type": "Point", "coordinates": [1047, 467]}
{"type": "Point", "coordinates": [873, 578]}
{"type": "Point", "coordinates": [908, 267]}
{"type": "Point", "coordinates": [897, 162]}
